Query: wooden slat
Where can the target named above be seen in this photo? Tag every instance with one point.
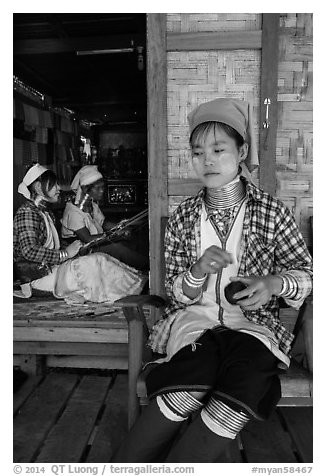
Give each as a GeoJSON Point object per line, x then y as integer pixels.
{"type": "Point", "coordinates": [25, 391]}
{"type": "Point", "coordinates": [296, 382]}
{"type": "Point", "coordinates": [87, 362]}
{"type": "Point", "coordinates": [221, 40]}
{"type": "Point", "coordinates": [269, 78]}
{"type": "Point", "coordinates": [299, 425]}
{"type": "Point", "coordinates": [267, 442]}
{"type": "Point", "coordinates": [68, 439]}
{"type": "Point", "coordinates": [39, 413]}
{"type": "Point", "coordinates": [113, 426]}
{"type": "Point", "coordinates": [105, 324]}
{"type": "Point", "coordinates": [295, 402]}
{"type": "Point", "coordinates": [134, 362]}
{"type": "Point", "coordinates": [157, 139]}
{"type": "Point", "coordinates": [70, 348]}
{"type": "Point", "coordinates": [59, 334]}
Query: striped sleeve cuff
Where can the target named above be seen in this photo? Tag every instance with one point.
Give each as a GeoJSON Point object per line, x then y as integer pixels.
{"type": "Point", "coordinates": [297, 285]}
{"type": "Point", "coordinates": [180, 295]}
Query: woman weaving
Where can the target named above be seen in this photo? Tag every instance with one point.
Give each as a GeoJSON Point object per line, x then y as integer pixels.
{"type": "Point", "coordinates": [84, 219]}
{"type": "Point", "coordinates": [221, 355]}
{"type": "Point", "coordinates": [41, 264]}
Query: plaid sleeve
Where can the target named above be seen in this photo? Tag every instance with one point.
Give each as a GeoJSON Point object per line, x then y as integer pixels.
{"type": "Point", "coordinates": [292, 256]}
{"type": "Point", "coordinates": [27, 223]}
{"type": "Point", "coordinates": [176, 260]}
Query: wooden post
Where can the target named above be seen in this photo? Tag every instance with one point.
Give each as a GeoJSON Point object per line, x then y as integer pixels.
{"type": "Point", "coordinates": [269, 72]}
{"type": "Point", "coordinates": [135, 346]}
{"type": "Point", "coordinates": [157, 140]}
{"type": "Point", "coordinates": [32, 364]}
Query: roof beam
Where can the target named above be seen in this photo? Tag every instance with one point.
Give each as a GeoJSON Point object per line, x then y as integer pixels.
{"type": "Point", "coordinates": [66, 45]}
{"type": "Point", "coordinates": [111, 102]}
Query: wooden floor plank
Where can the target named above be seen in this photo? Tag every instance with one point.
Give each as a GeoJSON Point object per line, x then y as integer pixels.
{"type": "Point", "coordinates": [299, 424]}
{"type": "Point", "coordinates": [69, 437]}
{"type": "Point", "coordinates": [25, 391]}
{"type": "Point", "coordinates": [39, 413]}
{"type": "Point", "coordinates": [113, 424]}
{"type": "Point", "coordinates": [65, 419]}
{"type": "Point", "coordinates": [267, 442]}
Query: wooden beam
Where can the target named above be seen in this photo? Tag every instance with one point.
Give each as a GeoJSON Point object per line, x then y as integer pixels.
{"type": "Point", "coordinates": [66, 45]}
{"type": "Point", "coordinates": [157, 140]}
{"type": "Point", "coordinates": [221, 40]}
{"type": "Point", "coordinates": [268, 88]}
{"type": "Point", "coordinates": [61, 334]}
{"type": "Point", "coordinates": [129, 100]}
{"type": "Point", "coordinates": [70, 348]}
{"type": "Point", "coordinates": [87, 361]}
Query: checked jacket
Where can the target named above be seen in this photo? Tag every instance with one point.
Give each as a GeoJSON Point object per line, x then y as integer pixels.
{"type": "Point", "coordinates": [271, 243]}
{"type": "Point", "coordinates": [30, 235]}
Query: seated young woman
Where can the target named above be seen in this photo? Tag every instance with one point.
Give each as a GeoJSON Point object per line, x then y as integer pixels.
{"type": "Point", "coordinates": [222, 353]}
{"type": "Point", "coordinates": [84, 219]}
{"type": "Point", "coordinates": [40, 263]}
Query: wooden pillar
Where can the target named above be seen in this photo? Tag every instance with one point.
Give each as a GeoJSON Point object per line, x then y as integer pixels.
{"type": "Point", "coordinates": [157, 140]}
{"type": "Point", "coordinates": [269, 78]}
{"type": "Point", "coordinates": [32, 364]}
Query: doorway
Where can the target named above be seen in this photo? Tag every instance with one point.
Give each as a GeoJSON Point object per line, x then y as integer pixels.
{"type": "Point", "coordinates": [88, 71]}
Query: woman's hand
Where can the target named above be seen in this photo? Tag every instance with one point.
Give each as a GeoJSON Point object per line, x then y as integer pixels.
{"type": "Point", "coordinates": [212, 260]}
{"type": "Point", "coordinates": [73, 248]}
{"type": "Point", "coordinates": [258, 292]}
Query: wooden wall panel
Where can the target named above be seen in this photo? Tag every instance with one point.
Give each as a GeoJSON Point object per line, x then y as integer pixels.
{"type": "Point", "coordinates": [196, 77]}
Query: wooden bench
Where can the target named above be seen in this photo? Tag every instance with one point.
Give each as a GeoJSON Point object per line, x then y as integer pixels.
{"type": "Point", "coordinates": [49, 332]}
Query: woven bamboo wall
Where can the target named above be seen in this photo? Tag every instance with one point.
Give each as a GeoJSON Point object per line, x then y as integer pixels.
{"type": "Point", "coordinates": [195, 77]}
{"type": "Point", "coordinates": [294, 136]}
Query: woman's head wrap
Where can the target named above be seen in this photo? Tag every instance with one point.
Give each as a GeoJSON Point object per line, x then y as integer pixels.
{"type": "Point", "coordinates": [85, 176]}
{"type": "Point", "coordinates": [235, 113]}
{"type": "Point", "coordinates": [31, 175]}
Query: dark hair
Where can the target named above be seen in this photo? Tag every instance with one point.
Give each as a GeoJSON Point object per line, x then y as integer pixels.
{"type": "Point", "coordinates": [201, 131]}
{"type": "Point", "coordinates": [47, 180]}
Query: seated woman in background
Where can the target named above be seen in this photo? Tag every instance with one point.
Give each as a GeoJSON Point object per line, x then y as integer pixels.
{"type": "Point", "coordinates": [41, 264]}
{"type": "Point", "coordinates": [84, 219]}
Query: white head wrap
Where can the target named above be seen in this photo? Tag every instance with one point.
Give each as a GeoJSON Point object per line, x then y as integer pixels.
{"type": "Point", "coordinates": [32, 174]}
{"type": "Point", "coordinates": [85, 176]}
